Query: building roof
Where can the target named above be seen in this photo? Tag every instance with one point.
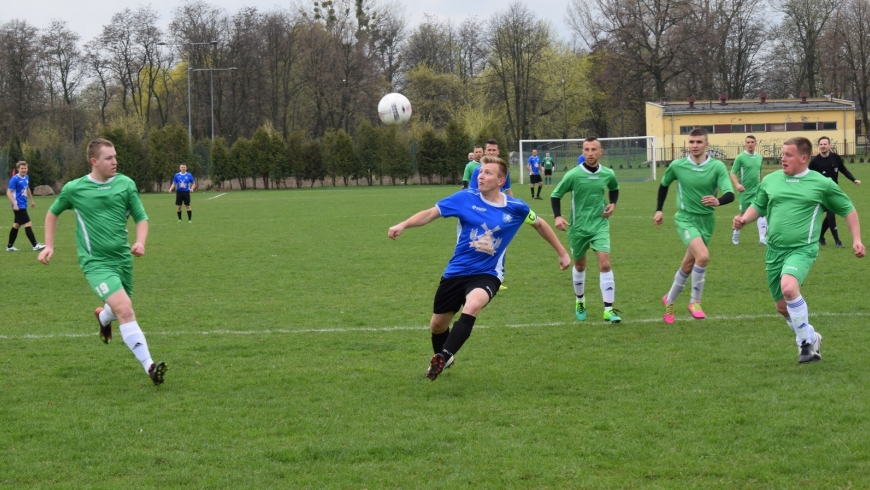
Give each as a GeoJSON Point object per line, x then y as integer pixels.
{"type": "Point", "coordinates": [754, 105]}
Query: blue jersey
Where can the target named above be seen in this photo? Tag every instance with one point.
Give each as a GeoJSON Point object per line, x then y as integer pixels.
{"type": "Point", "coordinates": [581, 160]}
{"type": "Point", "coordinates": [18, 185]}
{"type": "Point", "coordinates": [182, 181]}
{"type": "Point", "coordinates": [472, 184]}
{"type": "Point", "coordinates": [535, 164]}
{"type": "Point", "coordinates": [483, 233]}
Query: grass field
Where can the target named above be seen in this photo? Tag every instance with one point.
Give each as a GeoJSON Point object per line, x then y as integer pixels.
{"type": "Point", "coordinates": [296, 337]}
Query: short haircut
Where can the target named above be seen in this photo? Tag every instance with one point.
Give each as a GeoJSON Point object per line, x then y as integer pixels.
{"type": "Point", "coordinates": [699, 132]}
{"type": "Point", "coordinates": [491, 159]}
{"type": "Point", "coordinates": [753, 138]}
{"type": "Point", "coordinates": [804, 146]}
{"type": "Point", "coordinates": [591, 139]}
{"type": "Point", "coordinates": [96, 145]}
{"type": "Point", "coordinates": [824, 138]}
{"type": "Point", "coordinates": [478, 146]}
{"type": "Point", "coordinates": [20, 164]}
{"type": "Point", "coordinates": [492, 142]}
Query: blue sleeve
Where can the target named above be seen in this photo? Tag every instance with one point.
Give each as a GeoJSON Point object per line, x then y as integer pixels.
{"type": "Point", "coordinates": [472, 184]}
{"type": "Point", "coordinates": [507, 182]}
{"type": "Point", "coordinates": [580, 160]}
{"type": "Point", "coordinates": [452, 205]}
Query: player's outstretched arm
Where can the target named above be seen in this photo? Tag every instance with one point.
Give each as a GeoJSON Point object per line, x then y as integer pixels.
{"type": "Point", "coordinates": [422, 218]}
{"type": "Point", "coordinates": [171, 187]}
{"type": "Point", "coordinates": [50, 228]}
{"type": "Point", "coordinates": [855, 230]}
{"type": "Point", "coordinates": [549, 235]}
{"type": "Point", "coordinates": [748, 216]}
{"type": "Point", "coordinates": [138, 248]}
{"type": "Point", "coordinates": [660, 204]}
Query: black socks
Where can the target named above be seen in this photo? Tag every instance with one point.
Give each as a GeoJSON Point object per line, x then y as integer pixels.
{"type": "Point", "coordinates": [460, 333]}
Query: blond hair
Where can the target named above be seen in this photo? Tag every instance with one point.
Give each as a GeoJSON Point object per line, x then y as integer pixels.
{"type": "Point", "coordinates": [491, 159]}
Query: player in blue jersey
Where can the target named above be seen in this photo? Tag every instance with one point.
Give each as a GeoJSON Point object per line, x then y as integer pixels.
{"type": "Point", "coordinates": [534, 167]}
{"type": "Point", "coordinates": [488, 220]}
{"type": "Point", "coordinates": [183, 183]}
{"type": "Point", "coordinates": [491, 149]}
{"type": "Point", "coordinates": [19, 193]}
{"type": "Point", "coordinates": [581, 159]}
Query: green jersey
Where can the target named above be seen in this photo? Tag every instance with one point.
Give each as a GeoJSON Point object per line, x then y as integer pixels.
{"type": "Point", "coordinates": [695, 181]}
{"type": "Point", "coordinates": [469, 170]}
{"type": "Point", "coordinates": [793, 206]}
{"type": "Point", "coordinates": [747, 168]}
{"type": "Point", "coordinates": [101, 210]}
{"type": "Point", "coordinates": [548, 163]}
{"type": "Point", "coordinates": [587, 198]}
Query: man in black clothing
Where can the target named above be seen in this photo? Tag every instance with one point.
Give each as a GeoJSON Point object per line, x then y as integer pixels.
{"type": "Point", "coordinates": [830, 165]}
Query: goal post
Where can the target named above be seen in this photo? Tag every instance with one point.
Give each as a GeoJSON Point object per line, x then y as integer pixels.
{"type": "Point", "coordinates": [633, 158]}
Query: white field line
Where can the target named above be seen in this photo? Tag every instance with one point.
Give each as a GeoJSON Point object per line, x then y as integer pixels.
{"type": "Point", "coordinates": [282, 331]}
{"type": "Point", "coordinates": [217, 196]}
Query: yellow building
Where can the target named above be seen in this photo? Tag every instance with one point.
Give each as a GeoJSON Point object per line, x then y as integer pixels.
{"type": "Point", "coordinates": [728, 122]}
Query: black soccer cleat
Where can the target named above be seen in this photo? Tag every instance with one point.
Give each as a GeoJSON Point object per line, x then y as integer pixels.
{"type": "Point", "coordinates": [156, 372]}
{"type": "Point", "coordinates": [105, 331]}
{"type": "Point", "coordinates": [436, 365]}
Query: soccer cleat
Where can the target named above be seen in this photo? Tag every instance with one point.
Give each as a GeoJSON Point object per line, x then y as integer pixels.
{"type": "Point", "coordinates": [669, 310]}
{"type": "Point", "coordinates": [105, 331]}
{"type": "Point", "coordinates": [580, 309]}
{"type": "Point", "coordinates": [839, 244]}
{"type": "Point", "coordinates": [156, 372]}
{"type": "Point", "coordinates": [502, 287]}
{"type": "Point", "coordinates": [612, 316]}
{"type": "Point", "coordinates": [446, 365]}
{"type": "Point", "coordinates": [436, 365]}
{"type": "Point", "coordinates": [696, 311]}
{"type": "Point", "coordinates": [189, 221]}
{"type": "Point", "coordinates": [179, 222]}
{"type": "Point", "coordinates": [811, 352]}
{"type": "Point", "coordinates": [735, 238]}
{"type": "Point", "coordinates": [822, 242]}
{"type": "Point", "coordinates": [762, 241]}
{"type": "Point", "coordinates": [38, 246]}
{"type": "Point", "coordinates": [11, 249]}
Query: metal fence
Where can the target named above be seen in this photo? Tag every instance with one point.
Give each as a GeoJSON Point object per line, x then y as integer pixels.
{"type": "Point", "coordinates": [851, 152]}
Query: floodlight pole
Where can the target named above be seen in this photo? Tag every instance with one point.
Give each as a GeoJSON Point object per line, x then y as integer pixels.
{"type": "Point", "coordinates": [189, 111]}
{"type": "Point", "coordinates": [211, 73]}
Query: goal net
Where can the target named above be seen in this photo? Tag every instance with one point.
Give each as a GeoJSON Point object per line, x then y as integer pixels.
{"type": "Point", "coordinates": [632, 158]}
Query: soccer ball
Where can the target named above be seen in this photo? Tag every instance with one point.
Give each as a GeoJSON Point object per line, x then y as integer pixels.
{"type": "Point", "coordinates": [394, 109]}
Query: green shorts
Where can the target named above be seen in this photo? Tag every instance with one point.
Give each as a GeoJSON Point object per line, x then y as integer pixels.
{"type": "Point", "coordinates": [580, 243]}
{"type": "Point", "coordinates": [108, 278]}
{"type": "Point", "coordinates": [745, 199]}
{"type": "Point", "coordinates": [792, 261]}
{"type": "Point", "coordinates": [691, 226]}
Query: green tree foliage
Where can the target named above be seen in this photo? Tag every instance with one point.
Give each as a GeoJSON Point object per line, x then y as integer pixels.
{"type": "Point", "coordinates": [167, 149]}
{"type": "Point", "coordinates": [314, 167]}
{"type": "Point", "coordinates": [396, 155]}
{"type": "Point", "coordinates": [434, 95]}
{"type": "Point", "coordinates": [242, 164]}
{"type": "Point", "coordinates": [431, 155]}
{"type": "Point", "coordinates": [458, 145]}
{"type": "Point", "coordinates": [295, 157]}
{"type": "Point", "coordinates": [131, 154]}
{"type": "Point", "coordinates": [265, 161]}
{"type": "Point", "coordinates": [338, 155]}
{"type": "Point", "coordinates": [369, 141]}
{"type": "Point", "coordinates": [221, 162]}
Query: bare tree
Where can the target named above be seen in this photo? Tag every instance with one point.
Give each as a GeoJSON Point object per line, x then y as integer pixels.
{"type": "Point", "coordinates": [853, 22]}
{"type": "Point", "coordinates": [21, 89]}
{"type": "Point", "coordinates": [802, 27]}
{"type": "Point", "coordinates": [471, 49]}
{"type": "Point", "coordinates": [432, 43]}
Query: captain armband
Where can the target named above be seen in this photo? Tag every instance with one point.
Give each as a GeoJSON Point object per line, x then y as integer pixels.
{"type": "Point", "coordinates": [531, 218]}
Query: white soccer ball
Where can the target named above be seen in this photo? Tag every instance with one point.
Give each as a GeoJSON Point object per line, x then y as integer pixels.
{"type": "Point", "coordinates": [394, 109]}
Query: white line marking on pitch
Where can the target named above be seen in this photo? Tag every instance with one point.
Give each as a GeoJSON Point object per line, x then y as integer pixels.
{"type": "Point", "coordinates": [217, 196]}
{"type": "Point", "coordinates": [406, 328]}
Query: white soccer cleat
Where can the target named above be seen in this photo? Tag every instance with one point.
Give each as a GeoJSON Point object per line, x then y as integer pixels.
{"type": "Point", "coordinates": [38, 246]}
{"type": "Point", "coordinates": [735, 238]}
{"type": "Point", "coordinates": [11, 249]}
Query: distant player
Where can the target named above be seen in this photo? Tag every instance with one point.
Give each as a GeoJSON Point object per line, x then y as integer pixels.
{"type": "Point", "coordinates": [792, 200]}
{"type": "Point", "coordinates": [581, 159]}
{"type": "Point", "coordinates": [19, 193]}
{"type": "Point", "coordinates": [590, 224]}
{"type": "Point", "coordinates": [183, 183]}
{"type": "Point", "coordinates": [488, 221]}
{"type": "Point", "coordinates": [534, 166]}
{"type": "Point", "coordinates": [745, 176]}
{"type": "Point", "coordinates": [548, 165]}
{"type": "Point", "coordinates": [831, 166]}
{"type": "Point", "coordinates": [102, 202]}
{"type": "Point", "coordinates": [698, 177]}
{"type": "Point", "coordinates": [472, 165]}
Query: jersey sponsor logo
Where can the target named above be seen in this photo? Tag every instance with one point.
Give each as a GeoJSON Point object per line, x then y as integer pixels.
{"type": "Point", "coordinates": [507, 218]}
{"type": "Point", "coordinates": [592, 177]}
{"type": "Point", "coordinates": [477, 208]}
{"type": "Point", "coordinates": [791, 181]}
{"type": "Point", "coordinates": [484, 242]}
{"type": "Point", "coordinates": [104, 188]}
{"type": "Point", "coordinates": [697, 169]}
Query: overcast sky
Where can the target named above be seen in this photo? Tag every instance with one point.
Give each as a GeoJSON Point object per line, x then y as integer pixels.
{"type": "Point", "coordinates": [87, 17]}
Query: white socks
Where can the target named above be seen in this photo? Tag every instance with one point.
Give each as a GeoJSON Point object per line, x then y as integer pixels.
{"type": "Point", "coordinates": [135, 340]}
{"type": "Point", "coordinates": [608, 287]}
{"type": "Point", "coordinates": [677, 287]}
{"type": "Point", "coordinates": [800, 320]}
{"type": "Point", "coordinates": [579, 282]}
{"type": "Point", "coordinates": [697, 282]}
{"type": "Point", "coordinates": [762, 228]}
{"type": "Point", "coordinates": [107, 316]}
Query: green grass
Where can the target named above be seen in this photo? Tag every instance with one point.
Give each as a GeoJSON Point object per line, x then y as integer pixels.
{"type": "Point", "coordinates": [296, 336]}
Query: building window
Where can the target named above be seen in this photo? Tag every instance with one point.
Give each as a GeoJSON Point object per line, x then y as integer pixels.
{"type": "Point", "coordinates": [708, 128]}
{"type": "Point", "coordinates": [759, 128]}
{"type": "Point", "coordinates": [738, 128]}
{"type": "Point", "coordinates": [686, 129]}
{"type": "Point", "coordinates": [829, 125]}
{"type": "Point", "coordinates": [810, 126]}
{"type": "Point", "coordinates": [777, 127]}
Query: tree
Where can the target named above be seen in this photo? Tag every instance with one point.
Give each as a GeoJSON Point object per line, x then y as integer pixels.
{"type": "Point", "coordinates": [131, 154]}
{"type": "Point", "coordinates": [396, 154]}
{"type": "Point", "coordinates": [241, 158]}
{"type": "Point", "coordinates": [431, 155]}
{"type": "Point", "coordinates": [802, 27]}
{"type": "Point", "coordinates": [63, 67]}
{"type": "Point", "coordinates": [221, 162]}
{"type": "Point", "coordinates": [434, 95]}
{"type": "Point", "coordinates": [167, 149]}
{"type": "Point", "coordinates": [369, 141]}
{"type": "Point", "coordinates": [21, 89]}
{"type": "Point", "coordinates": [311, 155]}
{"type": "Point", "coordinates": [295, 158]}
{"type": "Point", "coordinates": [853, 23]}
{"type": "Point", "coordinates": [457, 146]}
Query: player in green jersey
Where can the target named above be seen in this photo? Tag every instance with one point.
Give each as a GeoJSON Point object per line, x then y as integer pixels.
{"type": "Point", "coordinates": [471, 166]}
{"type": "Point", "coordinates": [547, 162]}
{"type": "Point", "coordinates": [746, 175]}
{"type": "Point", "coordinates": [698, 177]}
{"type": "Point", "coordinates": [102, 202]}
{"type": "Point", "coordinates": [590, 224]}
{"type": "Point", "coordinates": [794, 199]}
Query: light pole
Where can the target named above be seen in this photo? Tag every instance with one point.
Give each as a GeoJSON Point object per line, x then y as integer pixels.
{"type": "Point", "coordinates": [189, 118]}
{"type": "Point", "coordinates": [211, 74]}
{"type": "Point", "coordinates": [565, 108]}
